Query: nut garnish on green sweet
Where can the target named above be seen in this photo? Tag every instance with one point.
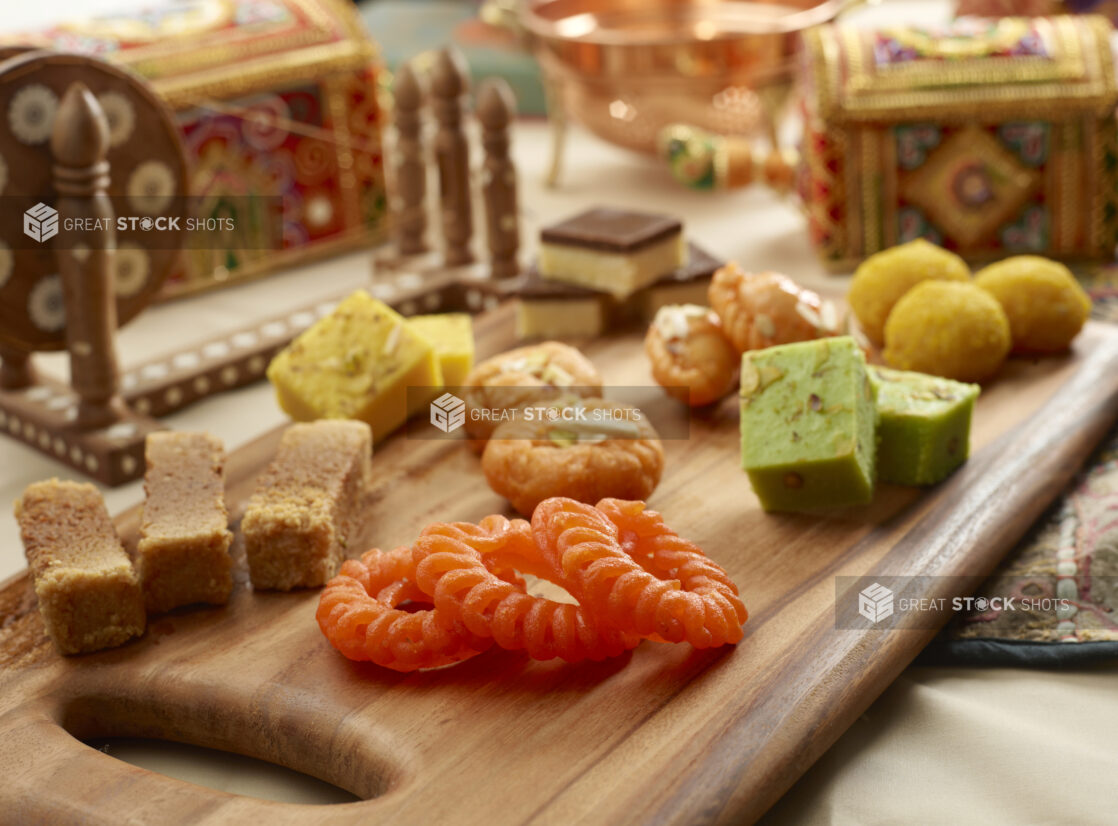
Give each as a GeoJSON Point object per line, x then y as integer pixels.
{"type": "Point", "coordinates": [808, 425]}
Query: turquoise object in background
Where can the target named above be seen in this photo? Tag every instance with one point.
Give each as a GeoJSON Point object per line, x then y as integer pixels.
{"type": "Point", "coordinates": [406, 28]}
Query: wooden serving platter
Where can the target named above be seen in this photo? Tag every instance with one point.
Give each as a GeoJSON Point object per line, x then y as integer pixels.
{"type": "Point", "coordinates": [665, 734]}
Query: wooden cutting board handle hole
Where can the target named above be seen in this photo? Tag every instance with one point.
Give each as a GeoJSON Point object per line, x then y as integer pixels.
{"type": "Point", "coordinates": [223, 771]}
{"type": "Point", "coordinates": [271, 730]}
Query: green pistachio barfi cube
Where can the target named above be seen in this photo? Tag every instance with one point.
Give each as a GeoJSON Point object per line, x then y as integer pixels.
{"type": "Point", "coordinates": [923, 430]}
{"type": "Point", "coordinates": [807, 424]}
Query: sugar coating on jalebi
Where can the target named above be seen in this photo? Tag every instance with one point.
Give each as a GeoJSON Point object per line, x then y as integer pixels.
{"type": "Point", "coordinates": [358, 613]}
{"type": "Point", "coordinates": [697, 604]}
{"type": "Point", "coordinates": [450, 565]}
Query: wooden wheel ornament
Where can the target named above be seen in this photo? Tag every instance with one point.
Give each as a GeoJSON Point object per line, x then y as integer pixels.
{"type": "Point", "coordinates": [84, 144]}
{"type": "Point", "coordinates": [147, 169]}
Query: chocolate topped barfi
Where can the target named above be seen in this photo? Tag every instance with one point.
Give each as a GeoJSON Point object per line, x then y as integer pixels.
{"type": "Point", "coordinates": [183, 553]}
{"type": "Point", "coordinates": [612, 230]}
{"type": "Point", "coordinates": [306, 508]}
{"type": "Point", "coordinates": [89, 595]}
{"type": "Point", "coordinates": [611, 250]}
{"type": "Point", "coordinates": [554, 309]}
{"type": "Point", "coordinates": [686, 285]}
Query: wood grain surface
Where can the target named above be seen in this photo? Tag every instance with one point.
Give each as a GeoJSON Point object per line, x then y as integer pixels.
{"type": "Point", "coordinates": [665, 734]}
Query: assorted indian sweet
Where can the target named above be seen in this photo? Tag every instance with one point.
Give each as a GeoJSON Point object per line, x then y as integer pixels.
{"type": "Point", "coordinates": [183, 553]}
{"type": "Point", "coordinates": [359, 613]}
{"type": "Point", "coordinates": [882, 279]}
{"type": "Point", "coordinates": [633, 578]}
{"type": "Point", "coordinates": [764, 309]}
{"type": "Point", "coordinates": [306, 508]}
{"type": "Point", "coordinates": [614, 251]}
{"type": "Point", "coordinates": [808, 425]}
{"type": "Point", "coordinates": [547, 308]}
{"type": "Point", "coordinates": [1044, 304]}
{"type": "Point", "coordinates": [586, 449]}
{"type": "Point", "coordinates": [923, 428]}
{"type": "Point", "coordinates": [689, 284]}
{"type": "Point", "coordinates": [952, 329]}
{"type": "Point", "coordinates": [88, 592]}
{"type": "Point", "coordinates": [505, 382]}
{"type": "Point", "coordinates": [360, 361]}
{"type": "Point", "coordinates": [452, 336]}
{"type": "Point", "coordinates": [690, 356]}
{"type": "Point", "coordinates": [920, 303]}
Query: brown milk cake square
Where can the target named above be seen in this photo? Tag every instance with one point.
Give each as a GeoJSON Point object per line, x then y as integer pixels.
{"type": "Point", "coordinates": [299, 523]}
{"type": "Point", "coordinates": [89, 594]}
{"type": "Point", "coordinates": [183, 553]}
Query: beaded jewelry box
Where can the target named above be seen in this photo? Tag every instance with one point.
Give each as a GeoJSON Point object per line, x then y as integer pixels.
{"type": "Point", "coordinates": [273, 97]}
{"type": "Point", "coordinates": [990, 137]}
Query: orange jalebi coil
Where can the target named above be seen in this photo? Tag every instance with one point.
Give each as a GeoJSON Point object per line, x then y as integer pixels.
{"type": "Point", "coordinates": [450, 566]}
{"type": "Point", "coordinates": [358, 613]}
{"type": "Point", "coordinates": [633, 578]}
{"type": "Point", "coordinates": [697, 604]}
{"type": "Point", "coordinates": [712, 596]}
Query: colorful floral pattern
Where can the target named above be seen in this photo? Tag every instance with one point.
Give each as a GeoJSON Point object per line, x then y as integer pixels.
{"type": "Point", "coordinates": [1028, 139]}
{"type": "Point", "coordinates": [965, 38]}
{"type": "Point", "coordinates": [914, 141]}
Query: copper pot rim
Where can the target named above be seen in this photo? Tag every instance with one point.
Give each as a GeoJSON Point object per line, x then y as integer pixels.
{"type": "Point", "coordinates": [739, 26]}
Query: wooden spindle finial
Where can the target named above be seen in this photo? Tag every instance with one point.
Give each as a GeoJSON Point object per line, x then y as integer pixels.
{"type": "Point", "coordinates": [80, 138]}
{"type": "Point", "coordinates": [496, 108]}
{"type": "Point", "coordinates": [411, 168]}
{"type": "Point", "coordinates": [450, 74]}
{"type": "Point", "coordinates": [449, 81]}
{"type": "Point", "coordinates": [407, 91]}
{"type": "Point", "coordinates": [79, 143]}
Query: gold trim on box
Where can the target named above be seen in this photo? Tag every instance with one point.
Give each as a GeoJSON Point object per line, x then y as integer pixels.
{"type": "Point", "coordinates": [184, 92]}
{"type": "Point", "coordinates": [971, 71]}
{"type": "Point", "coordinates": [330, 21]}
{"type": "Point", "coordinates": [988, 95]}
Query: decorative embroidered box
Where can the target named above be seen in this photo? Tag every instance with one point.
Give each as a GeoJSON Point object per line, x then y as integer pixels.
{"type": "Point", "coordinates": [274, 97]}
{"type": "Point", "coordinates": [992, 137]}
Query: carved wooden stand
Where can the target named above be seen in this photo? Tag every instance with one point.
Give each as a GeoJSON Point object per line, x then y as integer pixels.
{"type": "Point", "coordinates": [456, 274]}
{"type": "Point", "coordinates": [85, 424]}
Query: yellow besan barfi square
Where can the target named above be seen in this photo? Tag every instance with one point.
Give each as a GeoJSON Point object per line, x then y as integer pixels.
{"type": "Point", "coordinates": [452, 336]}
{"type": "Point", "coordinates": [356, 363]}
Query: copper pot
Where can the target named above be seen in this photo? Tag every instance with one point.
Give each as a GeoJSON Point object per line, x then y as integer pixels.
{"type": "Point", "coordinates": [627, 68]}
